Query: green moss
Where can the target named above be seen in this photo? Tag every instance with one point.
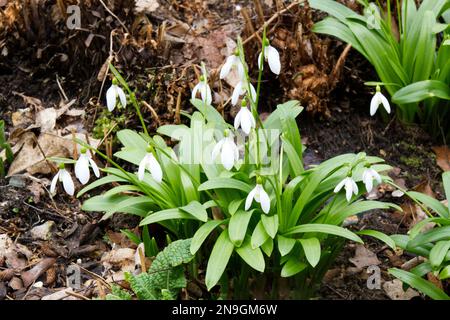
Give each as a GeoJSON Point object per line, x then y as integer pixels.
{"type": "Point", "coordinates": [106, 121]}
{"type": "Point", "coordinates": [413, 162]}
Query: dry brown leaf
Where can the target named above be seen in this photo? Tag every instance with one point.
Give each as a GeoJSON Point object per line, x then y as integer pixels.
{"type": "Point", "coordinates": [394, 289]}
{"type": "Point", "coordinates": [443, 157]}
{"type": "Point", "coordinates": [364, 257]}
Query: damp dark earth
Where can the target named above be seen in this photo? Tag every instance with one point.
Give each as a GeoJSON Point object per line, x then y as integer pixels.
{"type": "Point", "coordinates": [205, 150]}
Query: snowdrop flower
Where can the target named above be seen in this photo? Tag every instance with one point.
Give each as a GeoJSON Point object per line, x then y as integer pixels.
{"type": "Point", "coordinates": [368, 176]}
{"type": "Point", "coordinates": [244, 119]}
{"type": "Point", "coordinates": [272, 56]}
{"type": "Point", "coordinates": [82, 167]}
{"type": "Point", "coordinates": [111, 96]}
{"type": "Point", "coordinates": [203, 87]}
{"type": "Point", "coordinates": [240, 89]}
{"type": "Point", "coordinates": [65, 178]}
{"type": "Point", "coordinates": [350, 187]}
{"type": "Point", "coordinates": [259, 195]}
{"type": "Point", "coordinates": [378, 99]}
{"type": "Point", "coordinates": [232, 62]}
{"type": "Point", "coordinates": [150, 163]}
{"type": "Point", "coordinates": [229, 152]}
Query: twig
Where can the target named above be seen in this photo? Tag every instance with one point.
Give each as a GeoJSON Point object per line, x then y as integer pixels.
{"type": "Point", "coordinates": [117, 18]}
{"type": "Point", "coordinates": [249, 23]}
{"type": "Point", "coordinates": [77, 295]}
{"type": "Point", "coordinates": [61, 88]}
{"type": "Point", "coordinates": [153, 112]}
{"type": "Point", "coordinates": [275, 16]}
{"type": "Point", "coordinates": [96, 276]}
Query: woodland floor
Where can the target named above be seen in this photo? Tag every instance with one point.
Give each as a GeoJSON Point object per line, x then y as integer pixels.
{"type": "Point", "coordinates": [344, 127]}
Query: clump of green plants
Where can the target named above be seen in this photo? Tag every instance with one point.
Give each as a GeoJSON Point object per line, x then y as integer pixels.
{"type": "Point", "coordinates": [239, 193]}
{"type": "Point", "coordinates": [163, 280]}
{"type": "Point", "coordinates": [411, 55]}
{"type": "Point", "coordinates": [433, 245]}
{"type": "Point", "coordinates": [9, 157]}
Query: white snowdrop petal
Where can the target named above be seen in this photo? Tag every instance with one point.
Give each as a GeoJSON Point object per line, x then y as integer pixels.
{"type": "Point", "coordinates": [142, 165]}
{"type": "Point", "coordinates": [273, 58]}
{"type": "Point", "coordinates": [374, 103]}
{"type": "Point", "coordinates": [82, 169]}
{"type": "Point", "coordinates": [68, 185]}
{"type": "Point", "coordinates": [54, 181]}
{"type": "Point", "coordinates": [376, 176]}
{"type": "Point", "coordinates": [252, 92]}
{"type": "Point", "coordinates": [249, 199]}
{"type": "Point", "coordinates": [348, 190]}
{"type": "Point", "coordinates": [94, 167]}
{"type": "Point", "coordinates": [246, 122]}
{"type": "Point", "coordinates": [111, 96]}
{"type": "Point", "coordinates": [260, 61]}
{"type": "Point", "coordinates": [264, 200]}
{"type": "Point", "coordinates": [122, 97]}
{"type": "Point", "coordinates": [236, 93]}
{"type": "Point", "coordinates": [195, 90]}
{"type": "Point", "coordinates": [216, 150]}
{"type": "Point", "coordinates": [208, 99]}
{"type": "Point", "coordinates": [339, 186]}
{"type": "Point", "coordinates": [385, 103]}
{"type": "Point", "coordinates": [227, 155]}
{"type": "Point", "coordinates": [354, 186]}
{"type": "Point", "coordinates": [241, 69]}
{"type": "Point", "coordinates": [369, 184]}
{"type": "Point", "coordinates": [237, 119]}
{"type": "Point", "coordinates": [155, 168]}
{"type": "Point", "coordinates": [226, 68]}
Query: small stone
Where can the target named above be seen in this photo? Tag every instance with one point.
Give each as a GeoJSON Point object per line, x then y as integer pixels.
{"type": "Point", "coordinates": [16, 283]}
{"type": "Point", "coordinates": [43, 231]}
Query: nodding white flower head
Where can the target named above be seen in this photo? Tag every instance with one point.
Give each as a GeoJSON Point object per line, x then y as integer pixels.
{"type": "Point", "coordinates": [203, 87]}
{"type": "Point", "coordinates": [350, 187]}
{"type": "Point", "coordinates": [233, 61]}
{"type": "Point", "coordinates": [240, 89]}
{"type": "Point", "coordinates": [65, 178]}
{"type": "Point", "coordinates": [259, 195]}
{"type": "Point", "coordinates": [244, 119]}
{"type": "Point", "coordinates": [150, 163]}
{"type": "Point", "coordinates": [229, 152]}
{"type": "Point", "coordinates": [272, 56]}
{"type": "Point", "coordinates": [111, 96]}
{"type": "Point", "coordinates": [368, 176]}
{"type": "Point", "coordinates": [82, 167]}
{"type": "Point", "coordinates": [377, 99]}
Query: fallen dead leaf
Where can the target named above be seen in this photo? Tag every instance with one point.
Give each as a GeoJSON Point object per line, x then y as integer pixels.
{"type": "Point", "coordinates": [442, 157]}
{"type": "Point", "coordinates": [364, 257]}
{"type": "Point", "coordinates": [394, 290]}
{"type": "Point", "coordinates": [30, 276]}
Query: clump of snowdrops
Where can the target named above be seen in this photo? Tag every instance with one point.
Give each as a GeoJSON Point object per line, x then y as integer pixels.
{"type": "Point", "coordinates": [239, 191]}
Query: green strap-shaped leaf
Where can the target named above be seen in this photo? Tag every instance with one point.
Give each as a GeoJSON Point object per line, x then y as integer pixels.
{"type": "Point", "coordinates": [225, 183]}
{"type": "Point", "coordinates": [438, 253]}
{"type": "Point", "coordinates": [259, 235]}
{"type": "Point", "coordinates": [420, 284]}
{"type": "Point", "coordinates": [167, 214]}
{"type": "Point", "coordinates": [197, 210]}
{"type": "Point", "coordinates": [218, 260]}
{"type": "Point", "coordinates": [253, 257]}
{"type": "Point", "coordinates": [203, 232]}
{"type": "Point", "coordinates": [270, 224]}
{"type": "Point", "coordinates": [422, 90]}
{"type": "Point", "coordinates": [324, 228]}
{"type": "Point", "coordinates": [237, 228]}
{"type": "Point", "coordinates": [437, 234]}
{"type": "Point", "coordinates": [285, 245]}
{"type": "Point", "coordinates": [380, 236]}
{"type": "Point", "coordinates": [311, 247]}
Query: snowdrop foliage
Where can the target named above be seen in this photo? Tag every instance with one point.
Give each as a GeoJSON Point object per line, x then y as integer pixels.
{"type": "Point", "coordinates": [233, 61]}
{"type": "Point", "coordinates": [350, 187]}
{"type": "Point", "coordinates": [64, 177]}
{"type": "Point", "coordinates": [203, 87]}
{"type": "Point", "coordinates": [82, 167]}
{"type": "Point", "coordinates": [212, 202]}
{"type": "Point", "coordinates": [378, 99]}
{"type": "Point", "coordinates": [228, 150]}
{"type": "Point", "coordinates": [244, 119]}
{"type": "Point", "coordinates": [111, 96]}
{"type": "Point", "coordinates": [259, 195]}
{"type": "Point", "coordinates": [368, 176]}
{"type": "Point", "coordinates": [272, 56]}
{"type": "Point", "coordinates": [150, 163]}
